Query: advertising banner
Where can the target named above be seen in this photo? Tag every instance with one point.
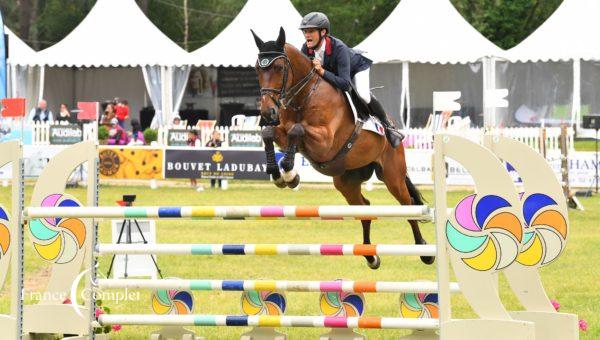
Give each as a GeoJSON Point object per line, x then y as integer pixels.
{"type": "Point", "coordinates": [177, 137]}
{"type": "Point", "coordinates": [245, 139]}
{"type": "Point", "coordinates": [216, 163]}
{"type": "Point", "coordinates": [65, 134]}
{"type": "Point", "coordinates": [131, 163]}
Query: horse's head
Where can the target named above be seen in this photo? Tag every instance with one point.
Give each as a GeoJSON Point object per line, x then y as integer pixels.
{"type": "Point", "coordinates": [273, 68]}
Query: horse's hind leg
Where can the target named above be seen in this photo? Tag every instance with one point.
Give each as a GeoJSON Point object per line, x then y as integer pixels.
{"type": "Point", "coordinates": [349, 186]}
{"type": "Point", "coordinates": [395, 178]}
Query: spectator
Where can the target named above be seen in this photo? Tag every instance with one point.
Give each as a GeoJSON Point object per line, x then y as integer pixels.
{"type": "Point", "coordinates": [122, 112]}
{"type": "Point", "coordinates": [64, 115]}
{"type": "Point", "coordinates": [177, 121]}
{"type": "Point", "coordinates": [215, 142]}
{"type": "Point", "coordinates": [116, 134]}
{"type": "Point", "coordinates": [108, 115]}
{"type": "Point", "coordinates": [194, 142]}
{"type": "Point", "coordinates": [41, 113]}
{"type": "Point", "coordinates": [136, 136]}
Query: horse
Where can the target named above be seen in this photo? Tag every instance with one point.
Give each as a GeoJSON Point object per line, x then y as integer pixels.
{"type": "Point", "coordinates": [306, 114]}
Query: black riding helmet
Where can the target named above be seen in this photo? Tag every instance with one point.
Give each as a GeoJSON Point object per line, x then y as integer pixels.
{"type": "Point", "coordinates": [315, 20]}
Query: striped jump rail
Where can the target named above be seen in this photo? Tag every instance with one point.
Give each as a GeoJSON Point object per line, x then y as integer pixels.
{"type": "Point", "coordinates": [323, 212]}
{"type": "Point", "coordinates": [284, 285]}
{"type": "Point", "coordinates": [268, 321]}
{"type": "Point", "coordinates": [270, 249]}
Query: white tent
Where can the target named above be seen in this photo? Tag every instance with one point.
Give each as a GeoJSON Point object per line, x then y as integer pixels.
{"type": "Point", "coordinates": [558, 62]}
{"type": "Point", "coordinates": [234, 46]}
{"type": "Point", "coordinates": [428, 34]}
{"type": "Point", "coordinates": [18, 51]}
{"type": "Point", "coordinates": [99, 60]}
{"type": "Point", "coordinates": [23, 81]}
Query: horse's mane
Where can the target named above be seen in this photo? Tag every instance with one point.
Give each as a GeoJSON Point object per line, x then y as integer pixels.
{"type": "Point", "coordinates": [291, 49]}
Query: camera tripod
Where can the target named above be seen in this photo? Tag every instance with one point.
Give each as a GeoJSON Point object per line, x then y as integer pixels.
{"type": "Point", "coordinates": [126, 230]}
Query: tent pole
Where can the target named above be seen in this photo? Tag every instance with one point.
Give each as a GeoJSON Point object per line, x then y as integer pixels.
{"type": "Point", "coordinates": [576, 109]}
{"type": "Point", "coordinates": [405, 94]}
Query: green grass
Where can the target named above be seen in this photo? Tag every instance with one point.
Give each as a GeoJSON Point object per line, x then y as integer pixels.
{"type": "Point", "coordinates": [585, 145]}
{"type": "Point", "coordinates": [570, 280]}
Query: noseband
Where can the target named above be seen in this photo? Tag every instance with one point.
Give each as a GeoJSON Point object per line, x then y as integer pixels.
{"type": "Point", "coordinates": [265, 60]}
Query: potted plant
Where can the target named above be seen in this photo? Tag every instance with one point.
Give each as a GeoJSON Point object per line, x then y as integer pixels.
{"type": "Point", "coordinates": [150, 136]}
{"type": "Point", "coordinates": [102, 134]}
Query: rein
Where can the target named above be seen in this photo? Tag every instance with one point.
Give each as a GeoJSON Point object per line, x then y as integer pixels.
{"type": "Point", "coordinates": [265, 60]}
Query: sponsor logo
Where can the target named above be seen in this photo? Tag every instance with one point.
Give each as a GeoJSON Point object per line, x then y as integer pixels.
{"type": "Point", "coordinates": [109, 162]}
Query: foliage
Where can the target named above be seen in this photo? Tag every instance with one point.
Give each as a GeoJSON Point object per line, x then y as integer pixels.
{"type": "Point", "coordinates": [102, 132]}
{"type": "Point", "coordinates": [504, 22]}
{"type": "Point", "coordinates": [352, 20]}
{"type": "Point", "coordinates": [150, 135]}
{"type": "Point", "coordinates": [100, 309]}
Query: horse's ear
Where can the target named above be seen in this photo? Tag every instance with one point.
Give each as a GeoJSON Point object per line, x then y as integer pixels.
{"type": "Point", "coordinates": [281, 38]}
{"type": "Point", "coordinates": [259, 42]}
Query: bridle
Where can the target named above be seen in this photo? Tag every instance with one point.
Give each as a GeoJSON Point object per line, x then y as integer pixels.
{"type": "Point", "coordinates": [286, 95]}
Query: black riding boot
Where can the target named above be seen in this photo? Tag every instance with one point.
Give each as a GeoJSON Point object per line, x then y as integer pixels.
{"type": "Point", "coordinates": [392, 134]}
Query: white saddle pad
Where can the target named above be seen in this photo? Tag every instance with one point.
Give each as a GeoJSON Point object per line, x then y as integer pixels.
{"type": "Point", "coordinates": [372, 124]}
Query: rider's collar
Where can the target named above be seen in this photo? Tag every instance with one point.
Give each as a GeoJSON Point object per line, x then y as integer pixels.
{"type": "Point", "coordinates": [265, 59]}
{"type": "Point", "coordinates": [327, 43]}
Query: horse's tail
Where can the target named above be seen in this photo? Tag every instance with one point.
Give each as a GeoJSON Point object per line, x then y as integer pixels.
{"type": "Point", "coordinates": [415, 194]}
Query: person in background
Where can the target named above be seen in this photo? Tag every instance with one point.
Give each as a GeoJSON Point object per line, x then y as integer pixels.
{"type": "Point", "coordinates": [122, 112]}
{"type": "Point", "coordinates": [176, 121]}
{"type": "Point", "coordinates": [116, 134]}
{"type": "Point", "coordinates": [64, 115]}
{"type": "Point", "coordinates": [136, 136]}
{"type": "Point", "coordinates": [215, 142]}
{"type": "Point", "coordinates": [108, 115]}
{"type": "Point", "coordinates": [41, 113]}
{"type": "Point", "coordinates": [194, 142]}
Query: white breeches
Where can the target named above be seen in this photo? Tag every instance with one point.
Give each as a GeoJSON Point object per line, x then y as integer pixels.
{"type": "Point", "coordinates": [361, 83]}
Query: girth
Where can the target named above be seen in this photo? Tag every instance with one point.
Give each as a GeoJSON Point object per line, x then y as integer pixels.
{"type": "Point", "coordinates": [335, 166]}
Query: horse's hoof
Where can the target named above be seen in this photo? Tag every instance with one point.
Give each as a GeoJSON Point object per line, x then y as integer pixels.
{"type": "Point", "coordinates": [294, 182]}
{"type": "Point", "coordinates": [375, 263]}
{"type": "Point", "coordinates": [428, 259]}
{"type": "Point", "coordinates": [280, 183]}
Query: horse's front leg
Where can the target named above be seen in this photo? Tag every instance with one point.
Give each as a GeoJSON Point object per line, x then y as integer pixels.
{"type": "Point", "coordinates": [294, 137]}
{"type": "Point", "coordinates": [269, 134]}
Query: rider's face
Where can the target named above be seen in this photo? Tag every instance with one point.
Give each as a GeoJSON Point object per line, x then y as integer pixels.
{"type": "Point", "coordinates": [311, 35]}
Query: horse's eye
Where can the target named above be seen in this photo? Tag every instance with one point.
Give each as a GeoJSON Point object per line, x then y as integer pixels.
{"type": "Point", "coordinates": [278, 68]}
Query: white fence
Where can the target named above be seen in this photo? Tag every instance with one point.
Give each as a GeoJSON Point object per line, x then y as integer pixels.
{"type": "Point", "coordinates": [536, 138]}
{"type": "Point", "coordinates": [40, 131]}
{"type": "Point", "coordinates": [421, 139]}
{"type": "Point", "coordinates": [204, 133]}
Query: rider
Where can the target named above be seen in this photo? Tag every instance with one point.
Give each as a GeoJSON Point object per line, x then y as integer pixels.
{"type": "Point", "coordinates": [342, 66]}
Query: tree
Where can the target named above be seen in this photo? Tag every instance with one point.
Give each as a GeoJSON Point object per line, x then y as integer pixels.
{"type": "Point", "coordinates": [506, 22]}
{"type": "Point", "coordinates": [353, 20]}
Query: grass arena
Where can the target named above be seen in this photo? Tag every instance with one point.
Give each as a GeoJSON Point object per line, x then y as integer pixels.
{"type": "Point", "coordinates": [191, 241]}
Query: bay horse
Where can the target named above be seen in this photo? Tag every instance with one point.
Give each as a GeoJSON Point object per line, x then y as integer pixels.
{"type": "Point", "coordinates": [310, 116]}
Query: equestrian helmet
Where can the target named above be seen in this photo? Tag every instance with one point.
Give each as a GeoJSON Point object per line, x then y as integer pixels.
{"type": "Point", "coordinates": [315, 20]}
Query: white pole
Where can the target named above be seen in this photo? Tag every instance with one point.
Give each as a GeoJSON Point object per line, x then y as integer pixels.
{"type": "Point", "coordinates": [440, 216]}
{"type": "Point", "coordinates": [334, 212]}
{"type": "Point", "coordinates": [576, 109]}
